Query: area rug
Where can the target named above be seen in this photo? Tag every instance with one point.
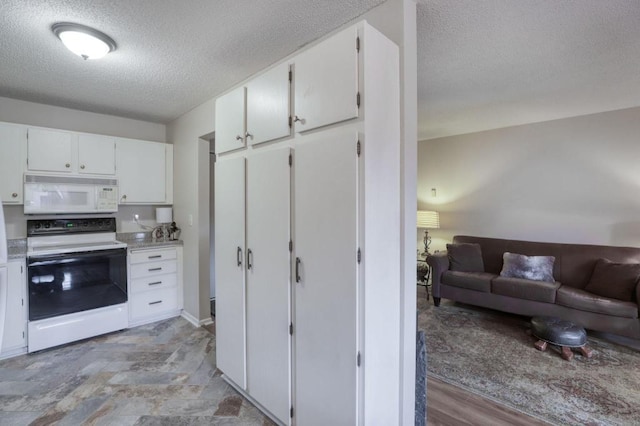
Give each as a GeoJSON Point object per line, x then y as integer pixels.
{"type": "Point", "coordinates": [492, 354]}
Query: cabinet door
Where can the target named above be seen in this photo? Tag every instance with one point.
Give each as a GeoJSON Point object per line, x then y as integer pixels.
{"type": "Point", "coordinates": [13, 157]}
{"type": "Point", "coordinates": [326, 275]}
{"type": "Point", "coordinates": [268, 106]}
{"type": "Point", "coordinates": [229, 240]}
{"type": "Point", "coordinates": [268, 271]}
{"type": "Point", "coordinates": [141, 168]}
{"type": "Point", "coordinates": [96, 154]}
{"type": "Point", "coordinates": [326, 83]}
{"type": "Point", "coordinates": [15, 320]}
{"type": "Point", "coordinates": [230, 121]}
{"type": "Point", "coordinates": [49, 150]}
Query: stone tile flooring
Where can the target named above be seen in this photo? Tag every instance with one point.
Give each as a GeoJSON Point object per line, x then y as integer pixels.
{"type": "Point", "coordinates": [158, 374]}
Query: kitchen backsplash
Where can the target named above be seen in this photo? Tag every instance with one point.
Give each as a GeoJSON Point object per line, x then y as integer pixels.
{"type": "Point", "coordinates": [16, 221]}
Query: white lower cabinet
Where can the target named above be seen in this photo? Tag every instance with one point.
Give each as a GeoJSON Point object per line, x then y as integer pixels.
{"type": "Point", "coordinates": [14, 338]}
{"type": "Point", "coordinates": [154, 284]}
{"type": "Point", "coordinates": [308, 314]}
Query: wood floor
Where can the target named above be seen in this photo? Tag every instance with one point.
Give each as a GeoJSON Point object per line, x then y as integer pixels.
{"type": "Point", "coordinates": [451, 405]}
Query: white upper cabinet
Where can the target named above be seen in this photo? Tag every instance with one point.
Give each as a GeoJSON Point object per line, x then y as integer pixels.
{"type": "Point", "coordinates": [141, 168]}
{"type": "Point", "coordinates": [67, 152]}
{"type": "Point", "coordinates": [13, 158]}
{"type": "Point", "coordinates": [326, 82]}
{"type": "Point", "coordinates": [96, 154]}
{"type": "Point", "coordinates": [268, 106]}
{"type": "Point", "coordinates": [230, 121]}
{"type": "Point", "coordinates": [50, 150]}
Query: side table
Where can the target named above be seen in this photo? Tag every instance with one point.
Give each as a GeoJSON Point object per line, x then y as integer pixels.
{"type": "Point", "coordinates": [424, 274]}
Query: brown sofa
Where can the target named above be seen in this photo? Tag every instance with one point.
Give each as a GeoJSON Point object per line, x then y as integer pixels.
{"type": "Point", "coordinates": [566, 298]}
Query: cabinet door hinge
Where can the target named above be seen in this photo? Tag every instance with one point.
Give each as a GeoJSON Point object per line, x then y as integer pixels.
{"type": "Point", "coordinates": [290, 121]}
{"type": "Point", "coordinates": [358, 99]}
{"type": "Point", "coordinates": [23, 334]}
{"type": "Point", "coordinates": [358, 148]}
{"type": "Point", "coordinates": [290, 76]}
{"type": "Point", "coordinates": [359, 255]}
{"type": "Point", "coordinates": [357, 44]}
{"type": "Point", "coordinates": [290, 246]}
{"type": "Point", "coordinates": [291, 412]}
{"type": "Point", "coordinates": [291, 329]}
{"type": "Point", "coordinates": [358, 359]}
{"type": "Point", "coordinates": [22, 302]}
{"type": "Point", "coordinates": [290, 160]}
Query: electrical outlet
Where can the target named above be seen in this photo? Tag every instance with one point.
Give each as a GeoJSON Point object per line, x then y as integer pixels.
{"type": "Point", "coordinates": [190, 220]}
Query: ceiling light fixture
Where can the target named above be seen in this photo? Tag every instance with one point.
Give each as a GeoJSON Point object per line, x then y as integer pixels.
{"type": "Point", "coordinates": [84, 41]}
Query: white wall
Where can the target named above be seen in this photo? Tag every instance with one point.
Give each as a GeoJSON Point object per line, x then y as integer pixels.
{"type": "Point", "coordinates": [572, 180]}
{"type": "Point", "coordinates": [191, 199]}
{"type": "Point", "coordinates": [14, 111]}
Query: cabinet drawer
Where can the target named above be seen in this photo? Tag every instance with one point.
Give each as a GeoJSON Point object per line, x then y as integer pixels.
{"type": "Point", "coordinates": [152, 255]}
{"type": "Point", "coordinates": [153, 302]}
{"type": "Point", "coordinates": [153, 268]}
{"type": "Point", "coordinates": [153, 283]}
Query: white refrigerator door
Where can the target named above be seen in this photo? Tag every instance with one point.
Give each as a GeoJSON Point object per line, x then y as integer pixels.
{"type": "Point", "coordinates": [3, 237]}
{"type": "Point", "coordinates": [3, 300]}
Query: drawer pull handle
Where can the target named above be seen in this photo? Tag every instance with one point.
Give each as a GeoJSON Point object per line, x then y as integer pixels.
{"type": "Point", "coordinates": [155, 303]}
{"type": "Point", "coordinates": [155, 283]}
{"type": "Point", "coordinates": [155, 269]}
{"type": "Point", "coordinates": [155, 256]}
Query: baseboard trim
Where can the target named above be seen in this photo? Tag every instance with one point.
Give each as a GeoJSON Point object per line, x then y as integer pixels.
{"type": "Point", "coordinates": [195, 321]}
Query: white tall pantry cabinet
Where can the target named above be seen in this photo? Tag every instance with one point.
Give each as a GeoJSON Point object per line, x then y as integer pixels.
{"type": "Point", "coordinates": [308, 240]}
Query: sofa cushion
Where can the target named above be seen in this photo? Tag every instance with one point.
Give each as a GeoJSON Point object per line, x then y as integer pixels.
{"type": "Point", "coordinates": [478, 281]}
{"type": "Point", "coordinates": [536, 268]}
{"type": "Point", "coordinates": [465, 257]}
{"type": "Point", "coordinates": [585, 301]}
{"type": "Point", "coordinates": [614, 280]}
{"type": "Point", "coordinates": [540, 291]}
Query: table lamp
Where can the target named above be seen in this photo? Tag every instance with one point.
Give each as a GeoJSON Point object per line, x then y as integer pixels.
{"type": "Point", "coordinates": [427, 220]}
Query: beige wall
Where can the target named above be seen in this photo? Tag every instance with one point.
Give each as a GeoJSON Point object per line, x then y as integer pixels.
{"type": "Point", "coordinates": [21, 112]}
{"type": "Point", "coordinates": [572, 180]}
{"type": "Point", "coordinates": [191, 201]}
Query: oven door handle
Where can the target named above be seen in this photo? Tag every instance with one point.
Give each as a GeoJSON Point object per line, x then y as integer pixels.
{"type": "Point", "coordinates": [53, 258]}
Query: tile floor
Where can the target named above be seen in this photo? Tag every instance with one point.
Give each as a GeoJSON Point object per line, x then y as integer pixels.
{"type": "Point", "coordinates": [158, 374]}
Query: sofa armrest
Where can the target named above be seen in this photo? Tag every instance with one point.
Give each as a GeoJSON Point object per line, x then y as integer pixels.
{"type": "Point", "coordinates": [439, 262]}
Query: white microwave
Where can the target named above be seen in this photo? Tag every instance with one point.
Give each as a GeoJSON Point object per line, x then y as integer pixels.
{"type": "Point", "coordinates": [48, 194]}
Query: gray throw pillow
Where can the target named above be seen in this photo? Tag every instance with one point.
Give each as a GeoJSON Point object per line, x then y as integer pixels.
{"type": "Point", "coordinates": [465, 257]}
{"type": "Point", "coordinates": [535, 268]}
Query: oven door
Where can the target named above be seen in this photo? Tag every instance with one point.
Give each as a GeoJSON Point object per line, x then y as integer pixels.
{"type": "Point", "coordinates": [61, 284]}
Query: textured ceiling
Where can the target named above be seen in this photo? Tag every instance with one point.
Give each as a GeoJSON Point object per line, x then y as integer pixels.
{"type": "Point", "coordinates": [482, 64]}
{"type": "Point", "coordinates": [496, 63]}
{"type": "Point", "coordinates": [172, 54]}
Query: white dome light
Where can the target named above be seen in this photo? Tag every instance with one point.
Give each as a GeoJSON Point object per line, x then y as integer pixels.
{"type": "Point", "coordinates": [84, 41]}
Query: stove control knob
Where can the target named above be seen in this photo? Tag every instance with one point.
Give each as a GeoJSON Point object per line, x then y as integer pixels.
{"type": "Point", "coordinates": [47, 225]}
{"type": "Point", "coordinates": [85, 224]}
{"type": "Point", "coordinates": [38, 226]}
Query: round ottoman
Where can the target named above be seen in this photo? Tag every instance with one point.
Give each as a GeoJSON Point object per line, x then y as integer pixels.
{"type": "Point", "coordinates": [564, 334]}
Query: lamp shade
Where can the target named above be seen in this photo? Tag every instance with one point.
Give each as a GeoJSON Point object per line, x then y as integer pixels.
{"type": "Point", "coordinates": [164, 215]}
{"type": "Point", "coordinates": [428, 219]}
